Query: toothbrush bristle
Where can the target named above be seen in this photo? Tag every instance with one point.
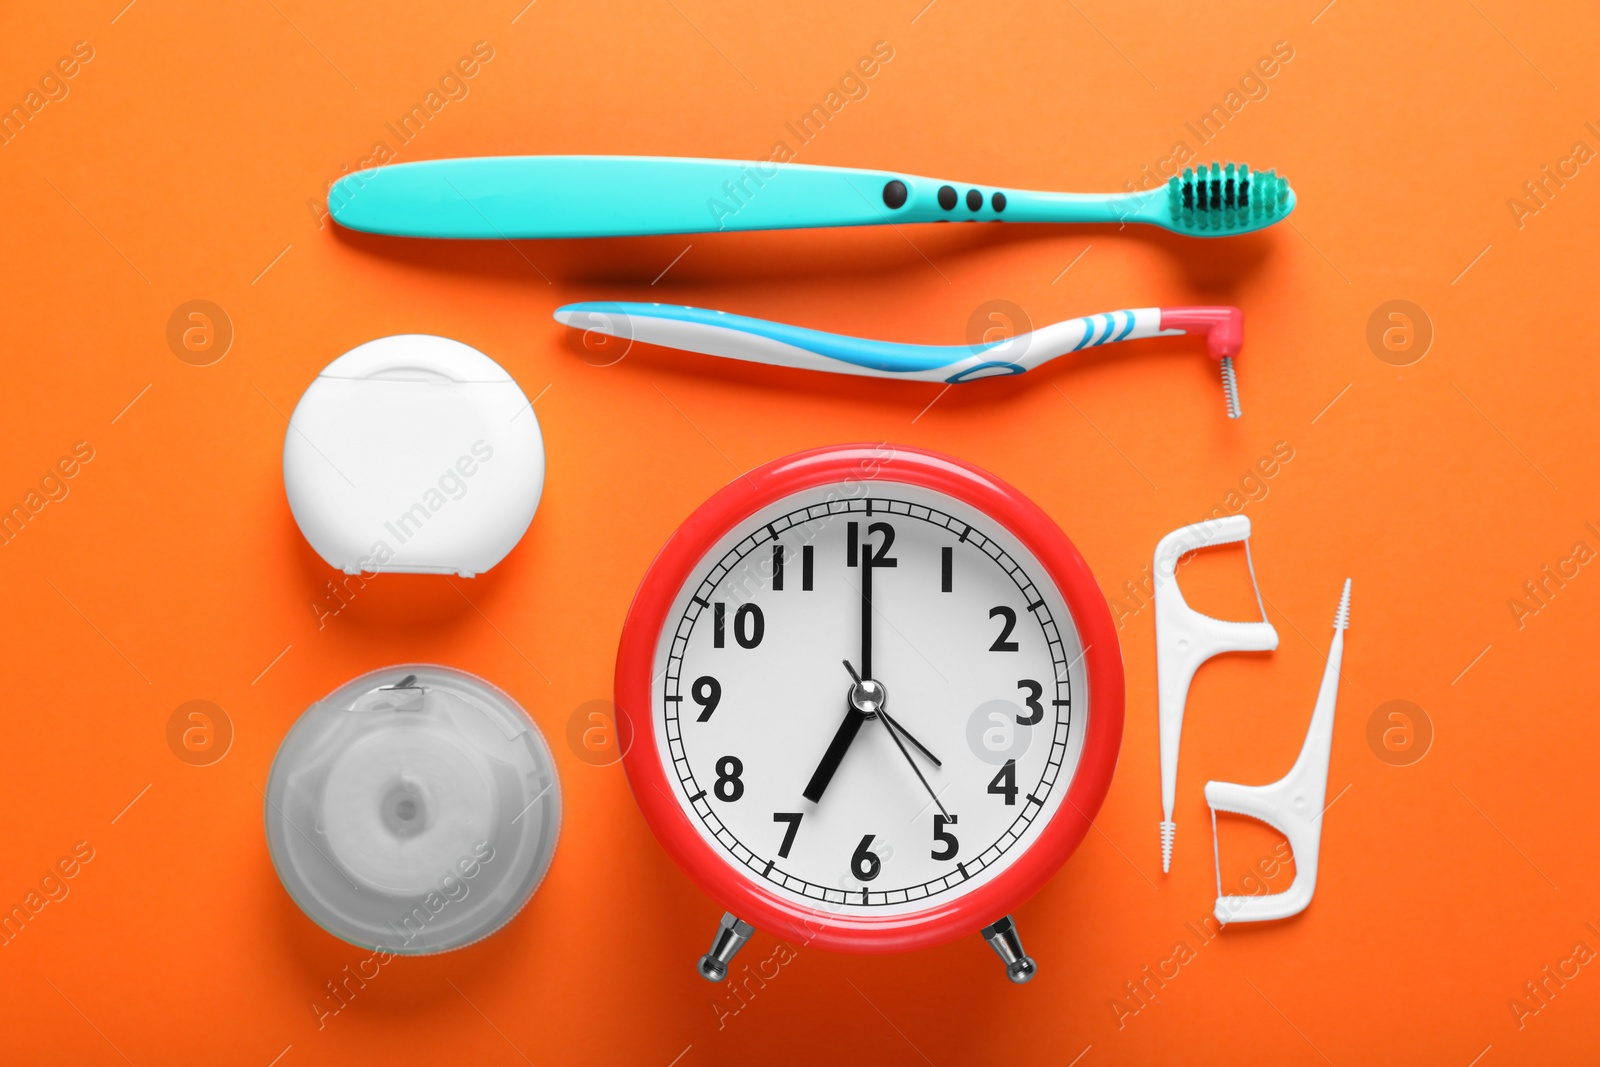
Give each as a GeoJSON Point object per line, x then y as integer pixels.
{"type": "Point", "coordinates": [1230, 387]}
{"type": "Point", "coordinates": [1226, 198]}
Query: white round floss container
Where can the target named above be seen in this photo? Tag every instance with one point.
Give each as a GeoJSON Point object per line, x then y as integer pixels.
{"type": "Point", "coordinates": [414, 810]}
{"type": "Point", "coordinates": [415, 454]}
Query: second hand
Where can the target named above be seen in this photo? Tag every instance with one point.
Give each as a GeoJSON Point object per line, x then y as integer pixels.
{"type": "Point", "coordinates": [894, 735]}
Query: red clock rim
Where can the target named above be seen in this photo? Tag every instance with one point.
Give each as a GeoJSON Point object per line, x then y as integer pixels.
{"type": "Point", "coordinates": [874, 463]}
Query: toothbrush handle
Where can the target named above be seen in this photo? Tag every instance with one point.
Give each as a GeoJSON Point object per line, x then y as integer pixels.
{"type": "Point", "coordinates": [717, 333]}
{"type": "Point", "coordinates": [613, 196]}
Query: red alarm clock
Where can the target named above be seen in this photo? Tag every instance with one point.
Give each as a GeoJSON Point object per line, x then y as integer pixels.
{"type": "Point", "coordinates": [871, 698]}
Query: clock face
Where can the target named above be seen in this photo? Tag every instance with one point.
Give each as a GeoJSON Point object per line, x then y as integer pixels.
{"type": "Point", "coordinates": [918, 785]}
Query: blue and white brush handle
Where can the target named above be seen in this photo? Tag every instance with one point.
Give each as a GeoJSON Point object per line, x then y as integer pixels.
{"type": "Point", "coordinates": [717, 333]}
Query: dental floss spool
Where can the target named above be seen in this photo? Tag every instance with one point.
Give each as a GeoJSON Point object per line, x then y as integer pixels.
{"type": "Point", "coordinates": [415, 454]}
{"type": "Point", "coordinates": [414, 809]}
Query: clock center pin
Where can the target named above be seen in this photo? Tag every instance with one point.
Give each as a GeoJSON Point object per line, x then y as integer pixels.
{"type": "Point", "coordinates": [868, 696]}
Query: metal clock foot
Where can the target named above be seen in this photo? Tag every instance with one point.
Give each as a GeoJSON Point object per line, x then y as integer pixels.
{"type": "Point", "coordinates": [731, 935]}
{"type": "Point", "coordinates": [1002, 937]}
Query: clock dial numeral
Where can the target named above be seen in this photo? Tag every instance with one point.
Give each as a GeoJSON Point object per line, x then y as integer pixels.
{"type": "Point", "coordinates": [945, 838]}
{"type": "Point", "coordinates": [881, 557]}
{"type": "Point", "coordinates": [777, 568]}
{"type": "Point", "coordinates": [857, 549]}
{"type": "Point", "coordinates": [947, 566]}
{"type": "Point", "coordinates": [729, 786]}
{"type": "Point", "coordinates": [1005, 783]}
{"type": "Point", "coordinates": [805, 569]}
{"type": "Point", "coordinates": [707, 692]}
{"type": "Point", "coordinates": [1003, 643]}
{"type": "Point", "coordinates": [1035, 708]}
{"type": "Point", "coordinates": [793, 819]}
{"type": "Point", "coordinates": [749, 625]}
{"type": "Point", "coordinates": [864, 863]}
{"type": "Point", "coordinates": [748, 636]}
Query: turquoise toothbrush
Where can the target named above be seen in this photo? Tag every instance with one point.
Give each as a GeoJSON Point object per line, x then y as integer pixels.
{"type": "Point", "coordinates": [617, 196]}
{"type": "Point", "coordinates": [717, 333]}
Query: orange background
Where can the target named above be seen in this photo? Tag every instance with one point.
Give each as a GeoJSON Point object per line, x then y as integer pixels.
{"type": "Point", "coordinates": [181, 165]}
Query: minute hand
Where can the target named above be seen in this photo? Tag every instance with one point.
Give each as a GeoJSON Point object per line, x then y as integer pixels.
{"type": "Point", "coordinates": [866, 608]}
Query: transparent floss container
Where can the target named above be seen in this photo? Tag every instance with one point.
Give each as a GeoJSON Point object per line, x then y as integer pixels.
{"type": "Point", "coordinates": [414, 810]}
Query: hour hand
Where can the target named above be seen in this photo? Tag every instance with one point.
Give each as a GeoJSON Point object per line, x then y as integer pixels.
{"type": "Point", "coordinates": [831, 759]}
